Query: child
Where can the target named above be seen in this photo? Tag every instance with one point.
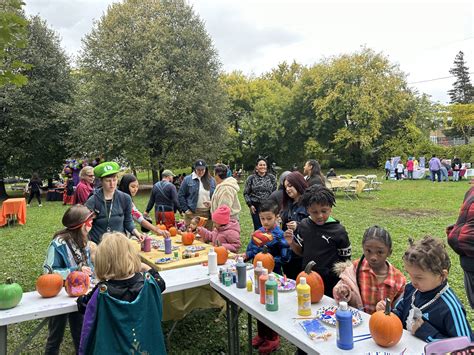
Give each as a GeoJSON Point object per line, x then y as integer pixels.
{"type": "Point", "coordinates": [195, 223]}
{"type": "Point", "coordinates": [227, 231]}
{"type": "Point", "coordinates": [67, 252]}
{"type": "Point", "coordinates": [400, 169]}
{"type": "Point", "coordinates": [372, 278]}
{"type": "Point", "coordinates": [320, 237]}
{"type": "Point", "coordinates": [429, 308]}
{"type": "Point", "coordinates": [266, 339]}
{"type": "Point", "coordinates": [124, 309]}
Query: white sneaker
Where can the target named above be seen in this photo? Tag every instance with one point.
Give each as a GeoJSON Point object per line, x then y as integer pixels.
{"type": "Point", "coordinates": [28, 205]}
{"type": "Point", "coordinates": [40, 205]}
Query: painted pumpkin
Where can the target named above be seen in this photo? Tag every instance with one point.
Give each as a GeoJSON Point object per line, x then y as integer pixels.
{"type": "Point", "coordinates": [50, 284]}
{"type": "Point", "coordinates": [314, 280]}
{"type": "Point", "coordinates": [266, 258]}
{"type": "Point", "coordinates": [173, 231]}
{"type": "Point", "coordinates": [385, 327]}
{"type": "Point", "coordinates": [222, 253]}
{"type": "Point", "coordinates": [10, 294]}
{"type": "Point", "coordinates": [187, 238]}
{"type": "Point", "coordinates": [77, 284]}
{"type": "Point", "coordinates": [162, 227]}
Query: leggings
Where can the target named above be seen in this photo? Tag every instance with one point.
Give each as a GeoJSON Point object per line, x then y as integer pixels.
{"type": "Point", "coordinates": [38, 196]}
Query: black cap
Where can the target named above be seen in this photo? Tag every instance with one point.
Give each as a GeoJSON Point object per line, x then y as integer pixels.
{"type": "Point", "coordinates": [200, 164]}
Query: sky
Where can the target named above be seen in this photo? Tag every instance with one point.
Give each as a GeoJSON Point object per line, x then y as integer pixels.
{"type": "Point", "coordinates": [422, 37]}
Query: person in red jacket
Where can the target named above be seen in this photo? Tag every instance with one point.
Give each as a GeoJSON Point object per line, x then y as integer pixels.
{"type": "Point", "coordinates": [461, 240]}
{"type": "Point", "coordinates": [85, 186]}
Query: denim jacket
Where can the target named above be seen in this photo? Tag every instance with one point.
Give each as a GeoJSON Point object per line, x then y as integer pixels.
{"type": "Point", "coordinates": [189, 192]}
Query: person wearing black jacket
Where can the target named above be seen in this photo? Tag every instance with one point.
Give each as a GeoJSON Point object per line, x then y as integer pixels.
{"type": "Point", "coordinates": [34, 186]}
{"type": "Point", "coordinates": [313, 174]}
{"type": "Point", "coordinates": [456, 166]}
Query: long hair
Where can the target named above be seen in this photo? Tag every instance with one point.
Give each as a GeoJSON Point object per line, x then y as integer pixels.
{"type": "Point", "coordinates": [73, 219]}
{"type": "Point", "coordinates": [124, 184]}
{"type": "Point", "coordinates": [295, 179]}
{"type": "Point", "coordinates": [315, 169]}
{"type": "Point", "coordinates": [206, 178]}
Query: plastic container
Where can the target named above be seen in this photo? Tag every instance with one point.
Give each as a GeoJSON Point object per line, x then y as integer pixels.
{"type": "Point", "coordinates": [212, 262]}
{"type": "Point", "coordinates": [167, 245]}
{"type": "Point", "coordinates": [241, 272]}
{"type": "Point", "coordinates": [261, 284]}
{"type": "Point", "coordinates": [147, 244]}
{"type": "Point", "coordinates": [303, 290]}
{"type": "Point", "coordinates": [271, 294]}
{"type": "Point", "coordinates": [249, 285]}
{"type": "Point", "coordinates": [345, 339]}
{"type": "Point", "coordinates": [256, 276]}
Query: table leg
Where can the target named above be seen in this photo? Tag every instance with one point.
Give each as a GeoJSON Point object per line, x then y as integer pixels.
{"type": "Point", "coordinates": [235, 327]}
{"type": "Point", "coordinates": [3, 340]}
{"type": "Point", "coordinates": [230, 342]}
{"type": "Point", "coordinates": [27, 341]}
{"type": "Point", "coordinates": [249, 335]}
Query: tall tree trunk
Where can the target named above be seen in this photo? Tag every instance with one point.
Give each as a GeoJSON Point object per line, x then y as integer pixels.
{"type": "Point", "coordinates": [154, 175]}
{"type": "Point", "coordinates": [3, 191]}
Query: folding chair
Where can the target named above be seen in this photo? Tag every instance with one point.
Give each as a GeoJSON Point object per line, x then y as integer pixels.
{"type": "Point", "coordinates": [351, 190]}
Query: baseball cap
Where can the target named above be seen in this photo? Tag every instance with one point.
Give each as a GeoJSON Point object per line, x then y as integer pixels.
{"type": "Point", "coordinates": [106, 168]}
{"type": "Point", "coordinates": [167, 172]}
{"type": "Point", "coordinates": [200, 164]}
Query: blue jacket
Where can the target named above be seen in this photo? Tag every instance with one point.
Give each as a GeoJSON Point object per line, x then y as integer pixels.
{"type": "Point", "coordinates": [445, 318]}
{"type": "Point", "coordinates": [189, 191]}
{"type": "Point", "coordinates": [278, 247]}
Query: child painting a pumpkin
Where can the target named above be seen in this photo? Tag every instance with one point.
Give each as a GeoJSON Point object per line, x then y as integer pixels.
{"type": "Point", "coordinates": [366, 281]}
{"type": "Point", "coordinates": [429, 309]}
{"type": "Point", "coordinates": [269, 238]}
{"type": "Point", "coordinates": [226, 231]}
{"type": "Point", "coordinates": [69, 251]}
{"type": "Point", "coordinates": [123, 312]}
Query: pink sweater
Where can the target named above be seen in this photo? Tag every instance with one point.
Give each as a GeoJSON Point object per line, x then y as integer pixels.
{"type": "Point", "coordinates": [228, 235]}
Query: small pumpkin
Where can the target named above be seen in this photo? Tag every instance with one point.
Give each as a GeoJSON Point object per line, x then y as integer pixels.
{"type": "Point", "coordinates": [77, 283]}
{"type": "Point", "coordinates": [173, 231]}
{"type": "Point", "coordinates": [266, 258]}
{"type": "Point", "coordinates": [385, 327]}
{"type": "Point", "coordinates": [10, 294]}
{"type": "Point", "coordinates": [314, 280]}
{"type": "Point", "coordinates": [162, 227]}
{"type": "Point", "coordinates": [50, 284]}
{"type": "Point", "coordinates": [222, 253]}
{"type": "Point", "coordinates": [187, 238]}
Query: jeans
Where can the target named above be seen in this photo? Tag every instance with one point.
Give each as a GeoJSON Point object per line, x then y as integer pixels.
{"type": "Point", "coordinates": [444, 174]}
{"type": "Point", "coordinates": [56, 327]}
{"type": "Point", "coordinates": [455, 175]}
{"type": "Point", "coordinates": [434, 173]}
{"type": "Point", "coordinates": [410, 174]}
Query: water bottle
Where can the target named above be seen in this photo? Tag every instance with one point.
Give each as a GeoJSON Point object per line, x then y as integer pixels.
{"type": "Point", "coordinates": [345, 339]}
{"type": "Point", "coordinates": [261, 284]}
{"type": "Point", "coordinates": [256, 276]}
{"type": "Point", "coordinates": [147, 244]}
{"type": "Point", "coordinates": [303, 290]}
{"type": "Point", "coordinates": [212, 262]}
{"type": "Point", "coordinates": [167, 245]}
{"type": "Point", "coordinates": [271, 294]}
{"type": "Point", "coordinates": [241, 273]}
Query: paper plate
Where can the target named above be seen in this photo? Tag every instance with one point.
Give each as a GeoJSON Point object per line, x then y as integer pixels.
{"type": "Point", "coordinates": [328, 315]}
{"type": "Point", "coordinates": [164, 260]}
{"type": "Point", "coordinates": [285, 286]}
{"type": "Point", "coordinates": [194, 248]}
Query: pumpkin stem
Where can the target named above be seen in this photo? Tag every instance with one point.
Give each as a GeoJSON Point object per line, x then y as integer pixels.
{"type": "Point", "coordinates": [48, 268]}
{"type": "Point", "coordinates": [309, 267]}
{"type": "Point", "coordinates": [9, 280]}
{"type": "Point", "coordinates": [387, 306]}
{"type": "Point", "coordinates": [265, 249]}
{"type": "Point", "coordinates": [218, 243]}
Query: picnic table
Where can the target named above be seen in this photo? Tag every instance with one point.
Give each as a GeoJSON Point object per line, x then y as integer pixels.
{"type": "Point", "coordinates": [341, 184]}
{"type": "Point", "coordinates": [13, 208]}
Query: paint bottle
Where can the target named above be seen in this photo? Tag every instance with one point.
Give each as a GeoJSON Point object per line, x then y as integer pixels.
{"type": "Point", "coordinates": [261, 284]}
{"type": "Point", "coordinates": [241, 273]}
{"type": "Point", "coordinates": [167, 245]}
{"type": "Point", "coordinates": [303, 290]}
{"type": "Point", "coordinates": [147, 244]}
{"type": "Point", "coordinates": [212, 262]}
{"type": "Point", "coordinates": [345, 340]}
{"type": "Point", "coordinates": [249, 285]}
{"type": "Point", "coordinates": [256, 276]}
{"type": "Point", "coordinates": [271, 294]}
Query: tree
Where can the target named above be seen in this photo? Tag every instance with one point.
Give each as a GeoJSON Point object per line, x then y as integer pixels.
{"type": "Point", "coordinates": [149, 85]}
{"type": "Point", "coordinates": [462, 91]}
{"type": "Point", "coordinates": [33, 123]}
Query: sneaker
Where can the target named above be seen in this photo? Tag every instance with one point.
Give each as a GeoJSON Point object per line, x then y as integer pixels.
{"type": "Point", "coordinates": [257, 341]}
{"type": "Point", "coordinates": [269, 346]}
{"type": "Point", "coordinates": [40, 205]}
{"type": "Point", "coordinates": [28, 205]}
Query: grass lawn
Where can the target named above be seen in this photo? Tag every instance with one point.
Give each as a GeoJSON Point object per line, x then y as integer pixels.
{"type": "Point", "coordinates": [405, 208]}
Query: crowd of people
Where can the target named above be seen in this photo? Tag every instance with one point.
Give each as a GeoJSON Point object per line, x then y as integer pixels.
{"type": "Point", "coordinates": [292, 219]}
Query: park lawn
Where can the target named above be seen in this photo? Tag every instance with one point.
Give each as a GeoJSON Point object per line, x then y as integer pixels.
{"type": "Point", "coordinates": [405, 208]}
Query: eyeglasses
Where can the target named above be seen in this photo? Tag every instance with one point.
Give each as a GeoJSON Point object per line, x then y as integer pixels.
{"type": "Point", "coordinates": [90, 175]}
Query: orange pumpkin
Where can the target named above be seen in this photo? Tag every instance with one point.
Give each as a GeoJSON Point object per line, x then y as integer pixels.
{"type": "Point", "coordinates": [222, 253]}
{"type": "Point", "coordinates": [266, 258]}
{"type": "Point", "coordinates": [313, 280]}
{"type": "Point", "coordinates": [50, 284]}
{"type": "Point", "coordinates": [162, 227]}
{"type": "Point", "coordinates": [77, 284]}
{"type": "Point", "coordinates": [173, 231]}
{"type": "Point", "coordinates": [385, 327]}
{"type": "Point", "coordinates": [187, 238]}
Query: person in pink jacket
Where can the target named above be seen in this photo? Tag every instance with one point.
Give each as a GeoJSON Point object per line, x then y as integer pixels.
{"type": "Point", "coordinates": [226, 231]}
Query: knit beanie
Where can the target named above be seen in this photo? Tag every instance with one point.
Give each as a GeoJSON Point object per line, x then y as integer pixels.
{"type": "Point", "coordinates": [221, 215]}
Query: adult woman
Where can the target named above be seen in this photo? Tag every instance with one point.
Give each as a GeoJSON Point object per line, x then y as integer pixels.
{"type": "Point", "coordinates": [226, 191]}
{"type": "Point", "coordinates": [196, 192]}
{"type": "Point", "coordinates": [258, 188]}
{"type": "Point", "coordinates": [113, 208]}
{"type": "Point", "coordinates": [292, 214]}
{"type": "Point", "coordinates": [85, 186]}
{"type": "Point", "coordinates": [34, 186]}
{"type": "Point", "coordinates": [312, 172]}
{"type": "Point", "coordinates": [277, 195]}
{"type": "Point", "coordinates": [129, 185]}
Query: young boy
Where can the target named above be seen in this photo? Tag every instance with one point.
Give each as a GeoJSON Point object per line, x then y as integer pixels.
{"type": "Point", "coordinates": [270, 235]}
{"type": "Point", "coordinates": [320, 237]}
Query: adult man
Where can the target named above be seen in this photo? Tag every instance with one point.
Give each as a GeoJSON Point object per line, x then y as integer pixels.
{"type": "Point", "coordinates": [165, 199]}
{"type": "Point", "coordinates": [226, 192]}
{"type": "Point", "coordinates": [435, 167]}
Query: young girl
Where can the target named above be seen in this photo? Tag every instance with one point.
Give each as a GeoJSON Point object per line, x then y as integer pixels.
{"type": "Point", "coordinates": [226, 232]}
{"type": "Point", "coordinates": [124, 310]}
{"type": "Point", "coordinates": [429, 308]}
{"type": "Point", "coordinates": [366, 281]}
{"type": "Point", "coordinates": [129, 185]}
{"type": "Point", "coordinates": [69, 251]}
